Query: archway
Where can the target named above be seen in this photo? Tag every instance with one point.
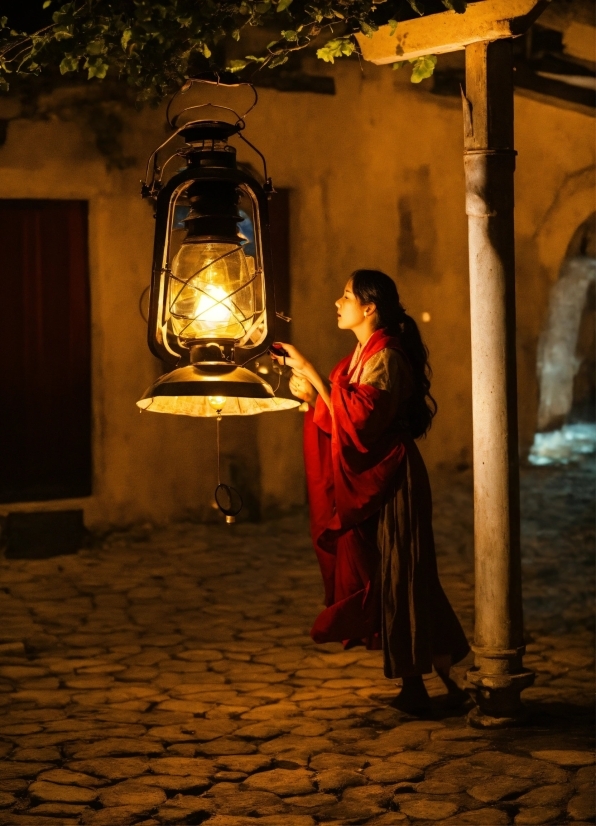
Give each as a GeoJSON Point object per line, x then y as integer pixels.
{"type": "Point", "coordinates": [566, 362]}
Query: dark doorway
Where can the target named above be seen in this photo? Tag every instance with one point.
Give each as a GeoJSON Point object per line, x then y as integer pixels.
{"type": "Point", "coordinates": [45, 346]}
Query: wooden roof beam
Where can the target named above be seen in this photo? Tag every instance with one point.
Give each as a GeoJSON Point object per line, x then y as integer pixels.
{"type": "Point", "coordinates": [486, 20]}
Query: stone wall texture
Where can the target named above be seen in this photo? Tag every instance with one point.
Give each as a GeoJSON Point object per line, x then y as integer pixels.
{"type": "Point", "coordinates": [376, 180]}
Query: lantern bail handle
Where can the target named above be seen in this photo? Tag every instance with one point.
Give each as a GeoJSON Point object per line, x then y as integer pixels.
{"type": "Point", "coordinates": [210, 79]}
{"type": "Point", "coordinates": [149, 187]}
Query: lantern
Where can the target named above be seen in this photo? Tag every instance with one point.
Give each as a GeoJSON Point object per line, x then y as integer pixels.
{"type": "Point", "coordinates": [212, 304]}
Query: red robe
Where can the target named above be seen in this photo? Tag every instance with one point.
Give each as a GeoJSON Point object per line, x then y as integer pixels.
{"type": "Point", "coordinates": [371, 525]}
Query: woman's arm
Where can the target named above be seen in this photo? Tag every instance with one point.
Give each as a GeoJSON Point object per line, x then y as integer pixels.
{"type": "Point", "coordinates": [304, 369]}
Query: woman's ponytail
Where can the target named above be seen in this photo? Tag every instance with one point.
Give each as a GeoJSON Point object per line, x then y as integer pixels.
{"type": "Point", "coordinates": [374, 287]}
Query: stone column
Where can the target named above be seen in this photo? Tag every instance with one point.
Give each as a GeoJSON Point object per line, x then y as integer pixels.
{"type": "Point", "coordinates": [498, 675]}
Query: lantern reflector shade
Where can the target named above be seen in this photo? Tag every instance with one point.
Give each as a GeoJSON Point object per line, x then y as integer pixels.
{"type": "Point", "coordinates": [212, 390]}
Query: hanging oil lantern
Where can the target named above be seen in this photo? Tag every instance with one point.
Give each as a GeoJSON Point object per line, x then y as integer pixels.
{"type": "Point", "coordinates": [212, 301]}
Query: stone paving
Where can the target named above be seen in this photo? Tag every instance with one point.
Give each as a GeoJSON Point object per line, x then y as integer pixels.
{"type": "Point", "coordinates": [167, 676]}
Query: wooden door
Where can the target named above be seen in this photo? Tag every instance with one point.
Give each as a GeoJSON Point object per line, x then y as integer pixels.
{"type": "Point", "coordinates": [45, 351]}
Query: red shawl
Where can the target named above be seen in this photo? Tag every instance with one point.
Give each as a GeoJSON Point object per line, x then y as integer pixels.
{"type": "Point", "coordinates": [352, 453]}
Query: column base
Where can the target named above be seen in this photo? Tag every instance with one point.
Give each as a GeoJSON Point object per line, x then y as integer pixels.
{"type": "Point", "coordinates": [497, 697]}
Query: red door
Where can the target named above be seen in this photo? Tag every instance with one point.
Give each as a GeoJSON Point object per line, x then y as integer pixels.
{"type": "Point", "coordinates": [45, 351]}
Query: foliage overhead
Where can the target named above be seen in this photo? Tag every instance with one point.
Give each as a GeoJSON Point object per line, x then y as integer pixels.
{"type": "Point", "coordinates": [155, 45]}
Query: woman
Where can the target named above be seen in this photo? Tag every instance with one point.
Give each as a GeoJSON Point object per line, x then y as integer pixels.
{"type": "Point", "coordinates": [369, 494]}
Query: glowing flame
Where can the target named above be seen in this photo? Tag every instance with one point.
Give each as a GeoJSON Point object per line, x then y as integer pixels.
{"type": "Point", "coordinates": [211, 307]}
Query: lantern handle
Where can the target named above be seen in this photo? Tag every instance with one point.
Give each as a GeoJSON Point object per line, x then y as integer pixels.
{"type": "Point", "coordinates": [240, 122]}
{"type": "Point", "coordinates": [211, 79]}
{"type": "Point", "coordinates": [147, 189]}
{"type": "Point", "coordinates": [268, 187]}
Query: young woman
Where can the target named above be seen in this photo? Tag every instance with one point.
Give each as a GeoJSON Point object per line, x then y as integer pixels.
{"type": "Point", "coordinates": [369, 494]}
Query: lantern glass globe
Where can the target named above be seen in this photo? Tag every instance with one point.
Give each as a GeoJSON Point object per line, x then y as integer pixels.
{"type": "Point", "coordinates": [211, 291]}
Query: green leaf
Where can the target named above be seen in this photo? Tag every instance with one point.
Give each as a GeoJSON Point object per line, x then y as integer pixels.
{"type": "Point", "coordinates": [264, 7]}
{"type": "Point", "coordinates": [236, 34]}
{"type": "Point", "coordinates": [368, 29]}
{"type": "Point", "coordinates": [96, 68]}
{"type": "Point", "coordinates": [47, 4]}
{"type": "Point", "coordinates": [338, 47]}
{"type": "Point", "coordinates": [283, 5]}
{"type": "Point", "coordinates": [96, 47]}
{"type": "Point", "coordinates": [392, 26]}
{"type": "Point", "coordinates": [62, 32]}
{"type": "Point", "coordinates": [278, 60]}
{"type": "Point", "coordinates": [4, 85]}
{"type": "Point", "coordinates": [124, 40]}
{"type": "Point", "coordinates": [206, 50]}
{"type": "Point", "coordinates": [418, 6]}
{"type": "Point", "coordinates": [423, 67]}
{"type": "Point", "coordinates": [458, 6]}
{"type": "Point", "coordinates": [399, 64]}
{"type": "Point", "coordinates": [237, 65]}
{"type": "Point", "coordinates": [69, 63]}
{"type": "Point", "coordinates": [64, 15]}
{"type": "Point", "coordinates": [290, 35]}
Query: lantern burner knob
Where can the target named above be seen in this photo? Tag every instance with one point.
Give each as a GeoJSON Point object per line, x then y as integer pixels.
{"type": "Point", "coordinates": [212, 352]}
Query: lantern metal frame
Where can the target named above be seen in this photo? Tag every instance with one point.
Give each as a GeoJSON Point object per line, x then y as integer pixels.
{"type": "Point", "coordinates": [209, 158]}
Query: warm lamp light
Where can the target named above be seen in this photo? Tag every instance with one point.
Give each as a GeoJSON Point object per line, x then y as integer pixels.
{"type": "Point", "coordinates": [212, 306]}
{"type": "Point", "coordinates": [217, 403]}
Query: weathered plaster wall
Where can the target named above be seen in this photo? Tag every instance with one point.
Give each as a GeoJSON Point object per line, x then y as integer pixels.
{"type": "Point", "coordinates": [377, 180]}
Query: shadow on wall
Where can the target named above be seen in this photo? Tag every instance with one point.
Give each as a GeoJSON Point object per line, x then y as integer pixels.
{"type": "Point", "coordinates": [566, 357]}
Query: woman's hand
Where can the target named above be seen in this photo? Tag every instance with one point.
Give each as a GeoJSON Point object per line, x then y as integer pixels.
{"type": "Point", "coordinates": [302, 369]}
{"type": "Point", "coordinates": [294, 359]}
{"type": "Point", "coordinates": [302, 389]}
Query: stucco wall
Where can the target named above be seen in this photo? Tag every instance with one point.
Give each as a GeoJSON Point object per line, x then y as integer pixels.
{"type": "Point", "coordinates": [377, 181]}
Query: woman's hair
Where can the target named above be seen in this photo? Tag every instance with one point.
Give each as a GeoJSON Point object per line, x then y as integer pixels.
{"type": "Point", "coordinates": [374, 287]}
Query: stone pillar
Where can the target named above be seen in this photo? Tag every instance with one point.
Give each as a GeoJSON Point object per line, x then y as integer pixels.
{"type": "Point", "coordinates": [498, 675]}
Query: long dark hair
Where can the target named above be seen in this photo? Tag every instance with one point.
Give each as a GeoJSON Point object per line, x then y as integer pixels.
{"type": "Point", "coordinates": [374, 287]}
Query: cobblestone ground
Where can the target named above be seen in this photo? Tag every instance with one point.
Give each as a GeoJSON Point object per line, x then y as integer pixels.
{"type": "Point", "coordinates": [168, 677]}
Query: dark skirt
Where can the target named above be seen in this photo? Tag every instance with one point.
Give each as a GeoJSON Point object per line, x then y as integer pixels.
{"type": "Point", "coordinates": [387, 591]}
{"type": "Point", "coordinates": [419, 627]}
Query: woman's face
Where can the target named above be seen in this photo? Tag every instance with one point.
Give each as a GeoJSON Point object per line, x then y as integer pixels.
{"type": "Point", "coordinates": [350, 312]}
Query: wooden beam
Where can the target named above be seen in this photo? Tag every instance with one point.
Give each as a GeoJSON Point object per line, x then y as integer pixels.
{"type": "Point", "coordinates": [486, 21]}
